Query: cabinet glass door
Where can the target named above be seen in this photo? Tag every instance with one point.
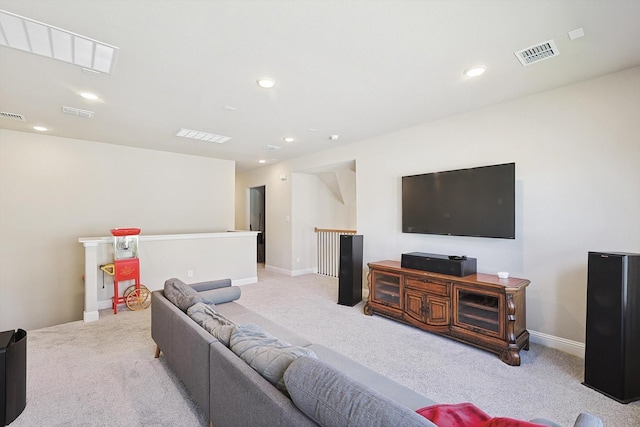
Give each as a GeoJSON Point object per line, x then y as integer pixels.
{"type": "Point", "coordinates": [478, 311]}
{"type": "Point", "coordinates": [385, 288]}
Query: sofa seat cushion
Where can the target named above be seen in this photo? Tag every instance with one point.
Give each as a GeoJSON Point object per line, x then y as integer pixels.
{"type": "Point", "coordinates": [331, 398]}
{"type": "Point", "coordinates": [266, 354]}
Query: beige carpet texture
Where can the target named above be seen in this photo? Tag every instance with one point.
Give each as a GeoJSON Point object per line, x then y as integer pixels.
{"type": "Point", "coordinates": [104, 374]}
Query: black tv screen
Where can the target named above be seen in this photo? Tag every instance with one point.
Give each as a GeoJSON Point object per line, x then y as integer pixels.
{"type": "Point", "coordinates": [477, 202]}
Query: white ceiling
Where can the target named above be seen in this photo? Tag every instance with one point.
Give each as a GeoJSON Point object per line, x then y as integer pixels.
{"type": "Point", "coordinates": [353, 68]}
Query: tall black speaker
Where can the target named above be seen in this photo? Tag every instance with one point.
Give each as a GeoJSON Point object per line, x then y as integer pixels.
{"type": "Point", "coordinates": [612, 345]}
{"type": "Point", "coordinates": [13, 375]}
{"type": "Point", "coordinates": [350, 278]}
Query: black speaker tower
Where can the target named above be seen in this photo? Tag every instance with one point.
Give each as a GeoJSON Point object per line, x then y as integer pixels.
{"type": "Point", "coordinates": [13, 375]}
{"type": "Point", "coordinates": [350, 278]}
{"type": "Point", "coordinates": [612, 345]}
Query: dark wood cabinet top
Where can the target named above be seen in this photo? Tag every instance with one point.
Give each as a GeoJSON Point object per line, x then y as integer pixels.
{"type": "Point", "coordinates": [512, 283]}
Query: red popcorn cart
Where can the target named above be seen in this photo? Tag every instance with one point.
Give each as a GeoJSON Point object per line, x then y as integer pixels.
{"type": "Point", "coordinates": [126, 267]}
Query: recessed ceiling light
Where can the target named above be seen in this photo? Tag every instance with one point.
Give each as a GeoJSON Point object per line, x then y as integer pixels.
{"type": "Point", "coordinates": [88, 95]}
{"type": "Point", "coordinates": [40, 128]}
{"type": "Point", "coordinates": [288, 139]}
{"type": "Point", "coordinates": [475, 71]}
{"type": "Point", "coordinates": [334, 137]}
{"type": "Point", "coordinates": [262, 161]}
{"type": "Point", "coordinates": [266, 83]}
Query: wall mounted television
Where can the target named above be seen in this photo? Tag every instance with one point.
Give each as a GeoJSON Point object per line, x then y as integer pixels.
{"type": "Point", "coordinates": [478, 202]}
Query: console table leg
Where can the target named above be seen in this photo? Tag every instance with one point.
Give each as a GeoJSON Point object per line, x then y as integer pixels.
{"type": "Point", "coordinates": [511, 357]}
{"type": "Point", "coordinates": [368, 310]}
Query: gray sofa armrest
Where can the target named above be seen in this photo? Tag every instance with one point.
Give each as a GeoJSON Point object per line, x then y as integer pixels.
{"type": "Point", "coordinates": [583, 420]}
{"type": "Point", "coordinates": [588, 420]}
{"type": "Point", "coordinates": [185, 346]}
{"type": "Point", "coordinates": [211, 284]}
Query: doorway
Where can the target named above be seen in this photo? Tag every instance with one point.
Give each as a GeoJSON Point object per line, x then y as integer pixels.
{"type": "Point", "coordinates": [257, 219]}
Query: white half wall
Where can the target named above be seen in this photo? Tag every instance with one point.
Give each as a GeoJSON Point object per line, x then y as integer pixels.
{"type": "Point", "coordinates": [54, 190]}
{"type": "Point", "coordinates": [191, 258]}
{"type": "Point", "coordinates": [577, 155]}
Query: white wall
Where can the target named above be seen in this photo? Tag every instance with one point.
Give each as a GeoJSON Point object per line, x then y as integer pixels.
{"type": "Point", "coordinates": [314, 205]}
{"type": "Point", "coordinates": [290, 237]}
{"type": "Point", "coordinates": [55, 190]}
{"type": "Point", "coordinates": [577, 154]}
{"type": "Point", "coordinates": [277, 209]}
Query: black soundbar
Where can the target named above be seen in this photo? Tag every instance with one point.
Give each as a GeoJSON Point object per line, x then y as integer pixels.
{"type": "Point", "coordinates": [459, 266]}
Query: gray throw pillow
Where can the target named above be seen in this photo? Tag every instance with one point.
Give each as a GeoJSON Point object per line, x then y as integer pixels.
{"type": "Point", "coordinates": [184, 296]}
{"type": "Point", "coordinates": [221, 295]}
{"type": "Point", "coordinates": [331, 398]}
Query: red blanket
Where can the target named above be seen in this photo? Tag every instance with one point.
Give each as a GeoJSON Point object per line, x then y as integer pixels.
{"type": "Point", "coordinates": [467, 415]}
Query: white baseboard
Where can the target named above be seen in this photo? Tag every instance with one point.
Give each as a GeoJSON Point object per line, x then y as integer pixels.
{"type": "Point", "coordinates": [90, 316]}
{"type": "Point", "coordinates": [568, 346]}
{"type": "Point", "coordinates": [245, 281]}
{"type": "Point", "coordinates": [277, 270]}
{"type": "Point", "coordinates": [305, 271]}
{"type": "Point", "coordinates": [291, 273]}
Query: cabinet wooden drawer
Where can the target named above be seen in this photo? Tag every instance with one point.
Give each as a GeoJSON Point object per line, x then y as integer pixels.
{"type": "Point", "coordinates": [428, 285]}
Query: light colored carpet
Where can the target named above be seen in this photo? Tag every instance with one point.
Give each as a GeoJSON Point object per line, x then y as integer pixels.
{"type": "Point", "coordinates": [104, 374]}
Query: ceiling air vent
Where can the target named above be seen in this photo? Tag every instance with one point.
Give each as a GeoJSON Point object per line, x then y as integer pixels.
{"type": "Point", "coordinates": [203, 136]}
{"type": "Point", "coordinates": [537, 53]}
{"type": "Point", "coordinates": [12, 116]}
{"type": "Point", "coordinates": [77, 112]}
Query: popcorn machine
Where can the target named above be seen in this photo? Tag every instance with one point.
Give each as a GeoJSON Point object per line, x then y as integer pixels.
{"type": "Point", "coordinates": [126, 267]}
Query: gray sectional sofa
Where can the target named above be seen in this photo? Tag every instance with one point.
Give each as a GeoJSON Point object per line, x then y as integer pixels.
{"type": "Point", "coordinates": [254, 372]}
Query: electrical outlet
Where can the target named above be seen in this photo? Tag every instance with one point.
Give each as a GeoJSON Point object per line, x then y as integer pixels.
{"type": "Point", "coordinates": [189, 273]}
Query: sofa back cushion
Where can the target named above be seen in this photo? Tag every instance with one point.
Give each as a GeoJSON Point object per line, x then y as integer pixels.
{"type": "Point", "coordinates": [210, 319]}
{"type": "Point", "coordinates": [331, 398]}
{"type": "Point", "coordinates": [266, 354]}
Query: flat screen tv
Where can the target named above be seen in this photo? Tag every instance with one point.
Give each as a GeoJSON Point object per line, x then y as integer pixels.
{"type": "Point", "coordinates": [477, 202]}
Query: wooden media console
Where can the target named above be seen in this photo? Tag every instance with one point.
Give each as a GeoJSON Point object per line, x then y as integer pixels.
{"type": "Point", "coordinates": [479, 309]}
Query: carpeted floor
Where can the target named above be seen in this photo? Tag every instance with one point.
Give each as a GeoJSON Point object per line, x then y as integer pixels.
{"type": "Point", "coordinates": [104, 374]}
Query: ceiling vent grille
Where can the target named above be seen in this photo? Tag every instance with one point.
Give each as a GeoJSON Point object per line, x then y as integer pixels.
{"type": "Point", "coordinates": [537, 53]}
{"type": "Point", "coordinates": [203, 136]}
{"type": "Point", "coordinates": [12, 116]}
{"type": "Point", "coordinates": [78, 112]}
{"type": "Point", "coordinates": [42, 39]}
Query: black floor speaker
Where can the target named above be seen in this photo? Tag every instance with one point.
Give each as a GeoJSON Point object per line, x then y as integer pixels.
{"type": "Point", "coordinates": [350, 278]}
{"type": "Point", "coordinates": [612, 345]}
{"type": "Point", "coordinates": [13, 375]}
